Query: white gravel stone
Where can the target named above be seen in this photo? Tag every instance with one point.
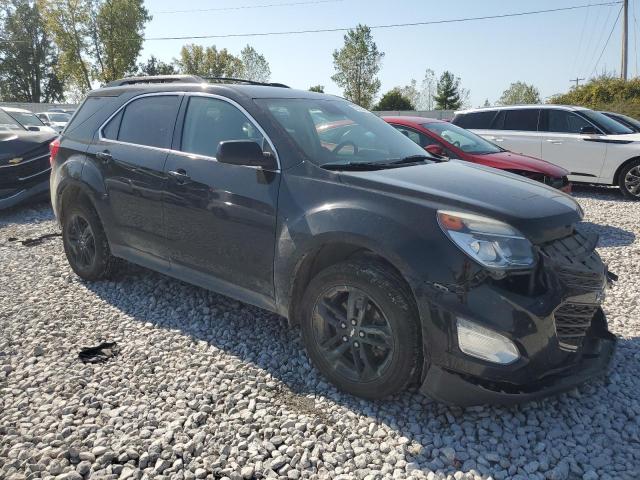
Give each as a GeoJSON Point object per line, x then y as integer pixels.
{"type": "Point", "coordinates": [206, 387]}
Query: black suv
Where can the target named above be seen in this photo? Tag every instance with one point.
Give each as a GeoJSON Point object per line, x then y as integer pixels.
{"type": "Point", "coordinates": [398, 268]}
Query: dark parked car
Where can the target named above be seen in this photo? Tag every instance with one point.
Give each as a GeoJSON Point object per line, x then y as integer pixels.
{"type": "Point", "coordinates": [398, 268]}
{"type": "Point", "coordinates": [24, 162]}
{"type": "Point", "coordinates": [446, 140]}
{"type": "Point", "coordinates": [625, 120]}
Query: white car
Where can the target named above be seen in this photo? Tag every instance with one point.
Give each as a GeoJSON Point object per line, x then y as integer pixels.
{"type": "Point", "coordinates": [56, 120]}
{"type": "Point", "coordinates": [27, 119]}
{"type": "Point", "coordinates": [593, 147]}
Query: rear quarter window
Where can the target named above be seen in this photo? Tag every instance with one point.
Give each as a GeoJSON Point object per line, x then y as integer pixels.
{"type": "Point", "coordinates": [475, 120]}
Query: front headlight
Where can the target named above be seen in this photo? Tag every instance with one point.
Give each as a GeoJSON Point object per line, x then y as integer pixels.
{"type": "Point", "coordinates": [491, 243]}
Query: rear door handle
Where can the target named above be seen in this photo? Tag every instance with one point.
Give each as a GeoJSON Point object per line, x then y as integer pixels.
{"type": "Point", "coordinates": [180, 176]}
{"type": "Point", "coordinates": [498, 139]}
{"type": "Point", "coordinates": [555, 142]}
{"type": "Point", "coordinates": [104, 157]}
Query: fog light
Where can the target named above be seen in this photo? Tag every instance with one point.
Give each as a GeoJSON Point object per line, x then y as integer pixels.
{"type": "Point", "coordinates": [484, 343]}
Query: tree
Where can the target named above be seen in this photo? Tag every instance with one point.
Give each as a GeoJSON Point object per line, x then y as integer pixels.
{"type": "Point", "coordinates": [209, 62]}
{"type": "Point", "coordinates": [27, 57]}
{"type": "Point", "coordinates": [394, 100]}
{"type": "Point", "coordinates": [99, 40]}
{"type": "Point", "coordinates": [255, 66]}
{"type": "Point", "coordinates": [520, 93]}
{"type": "Point", "coordinates": [409, 92]}
{"type": "Point", "coordinates": [428, 92]}
{"type": "Point", "coordinates": [317, 88]}
{"type": "Point", "coordinates": [605, 92]}
{"type": "Point", "coordinates": [448, 92]}
{"type": "Point", "coordinates": [357, 64]}
{"type": "Point", "coordinates": [486, 103]}
{"type": "Point", "coordinates": [153, 66]}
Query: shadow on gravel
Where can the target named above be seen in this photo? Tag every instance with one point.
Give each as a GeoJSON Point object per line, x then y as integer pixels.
{"type": "Point", "coordinates": [263, 341]}
{"type": "Point", "coordinates": [27, 213]}
{"type": "Point", "coordinates": [609, 236]}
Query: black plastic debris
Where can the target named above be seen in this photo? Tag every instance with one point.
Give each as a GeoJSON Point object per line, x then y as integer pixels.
{"type": "Point", "coordinates": [98, 354]}
{"type": "Point", "coordinates": [30, 242]}
{"type": "Point", "coordinates": [12, 239]}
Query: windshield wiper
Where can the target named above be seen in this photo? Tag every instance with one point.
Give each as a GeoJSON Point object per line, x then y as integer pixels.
{"type": "Point", "coordinates": [376, 165]}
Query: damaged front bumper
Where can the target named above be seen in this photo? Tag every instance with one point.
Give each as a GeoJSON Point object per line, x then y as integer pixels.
{"type": "Point", "coordinates": [553, 317]}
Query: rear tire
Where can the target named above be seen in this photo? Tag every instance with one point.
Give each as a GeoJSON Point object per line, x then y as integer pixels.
{"type": "Point", "coordinates": [360, 327]}
{"type": "Point", "coordinates": [85, 243]}
{"type": "Point", "coordinates": [629, 180]}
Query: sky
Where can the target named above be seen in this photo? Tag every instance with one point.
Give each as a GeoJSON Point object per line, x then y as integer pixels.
{"type": "Point", "coordinates": [546, 50]}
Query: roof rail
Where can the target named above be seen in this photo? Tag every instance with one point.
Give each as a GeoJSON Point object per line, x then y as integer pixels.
{"type": "Point", "coordinates": [243, 80]}
{"type": "Point", "coordinates": [156, 79]}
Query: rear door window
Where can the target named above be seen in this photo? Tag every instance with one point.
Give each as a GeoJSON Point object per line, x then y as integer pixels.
{"type": "Point", "coordinates": [525, 120]}
{"type": "Point", "coordinates": [149, 121]}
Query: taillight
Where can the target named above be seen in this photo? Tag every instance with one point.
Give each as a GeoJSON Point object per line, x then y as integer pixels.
{"type": "Point", "coordinates": [53, 149]}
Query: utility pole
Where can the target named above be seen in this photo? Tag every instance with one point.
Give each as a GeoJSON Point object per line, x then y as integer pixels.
{"type": "Point", "coordinates": [577, 80]}
{"type": "Point", "coordinates": [625, 39]}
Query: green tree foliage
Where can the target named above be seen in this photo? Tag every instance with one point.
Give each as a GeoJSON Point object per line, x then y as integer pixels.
{"type": "Point", "coordinates": [153, 66]}
{"type": "Point", "coordinates": [209, 62]}
{"type": "Point", "coordinates": [357, 65]}
{"type": "Point", "coordinates": [448, 92]}
{"type": "Point", "coordinates": [99, 40]}
{"type": "Point", "coordinates": [520, 93]}
{"type": "Point", "coordinates": [605, 93]}
{"type": "Point", "coordinates": [394, 100]}
{"type": "Point", "coordinates": [317, 88]}
{"type": "Point", "coordinates": [255, 66]}
{"type": "Point", "coordinates": [27, 58]}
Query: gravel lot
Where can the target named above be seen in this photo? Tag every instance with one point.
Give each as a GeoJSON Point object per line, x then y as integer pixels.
{"type": "Point", "coordinates": [206, 387]}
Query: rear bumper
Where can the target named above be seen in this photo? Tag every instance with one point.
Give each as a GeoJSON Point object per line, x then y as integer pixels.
{"type": "Point", "coordinates": [15, 197]}
{"type": "Point", "coordinates": [465, 390]}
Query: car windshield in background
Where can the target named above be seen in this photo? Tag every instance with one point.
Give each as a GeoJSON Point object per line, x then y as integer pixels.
{"type": "Point", "coordinates": [27, 119]}
{"type": "Point", "coordinates": [609, 125]}
{"type": "Point", "coordinates": [463, 139]}
{"type": "Point", "coordinates": [59, 117]}
{"type": "Point", "coordinates": [339, 132]}
{"type": "Point", "coordinates": [7, 122]}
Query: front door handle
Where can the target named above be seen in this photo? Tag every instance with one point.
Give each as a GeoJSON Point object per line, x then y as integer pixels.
{"type": "Point", "coordinates": [498, 139]}
{"type": "Point", "coordinates": [555, 142]}
{"type": "Point", "coordinates": [104, 157]}
{"type": "Point", "coordinates": [180, 176]}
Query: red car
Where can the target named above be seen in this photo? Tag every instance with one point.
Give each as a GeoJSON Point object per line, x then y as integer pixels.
{"type": "Point", "coordinates": [444, 139]}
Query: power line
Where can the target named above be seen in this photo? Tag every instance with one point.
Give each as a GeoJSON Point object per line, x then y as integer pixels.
{"type": "Point", "coordinates": [392, 25]}
{"type": "Point", "coordinates": [384, 26]}
{"type": "Point", "coordinates": [598, 41]}
{"type": "Point", "coordinates": [607, 42]}
{"type": "Point", "coordinates": [247, 7]}
{"type": "Point", "coordinates": [584, 25]}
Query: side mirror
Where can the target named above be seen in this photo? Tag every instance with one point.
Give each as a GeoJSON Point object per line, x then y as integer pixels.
{"type": "Point", "coordinates": [588, 130]}
{"type": "Point", "coordinates": [245, 152]}
{"type": "Point", "coordinates": [436, 150]}
{"type": "Point", "coordinates": [33, 128]}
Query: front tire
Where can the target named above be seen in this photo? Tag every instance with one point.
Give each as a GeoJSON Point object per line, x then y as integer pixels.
{"type": "Point", "coordinates": [85, 243]}
{"type": "Point", "coordinates": [360, 327]}
{"type": "Point", "coordinates": [629, 180]}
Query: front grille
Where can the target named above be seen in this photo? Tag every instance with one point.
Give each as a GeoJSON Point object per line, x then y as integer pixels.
{"type": "Point", "coordinates": [573, 320]}
{"type": "Point", "coordinates": [25, 172]}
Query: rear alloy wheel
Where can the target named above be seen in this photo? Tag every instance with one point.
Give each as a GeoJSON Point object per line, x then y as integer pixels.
{"type": "Point", "coordinates": [630, 180]}
{"type": "Point", "coordinates": [360, 328]}
{"type": "Point", "coordinates": [85, 243]}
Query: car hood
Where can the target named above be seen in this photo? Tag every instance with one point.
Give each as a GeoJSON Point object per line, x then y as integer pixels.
{"type": "Point", "coordinates": [22, 144]}
{"type": "Point", "coordinates": [515, 161]}
{"type": "Point", "coordinates": [540, 212]}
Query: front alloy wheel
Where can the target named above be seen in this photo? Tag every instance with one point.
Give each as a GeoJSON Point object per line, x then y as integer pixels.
{"type": "Point", "coordinates": [360, 327]}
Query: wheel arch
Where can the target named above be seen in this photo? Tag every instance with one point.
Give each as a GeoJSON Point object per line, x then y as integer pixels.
{"type": "Point", "coordinates": [616, 176]}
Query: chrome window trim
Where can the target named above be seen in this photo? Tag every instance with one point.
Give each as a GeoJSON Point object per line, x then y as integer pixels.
{"type": "Point", "coordinates": [26, 161]}
{"type": "Point", "coordinates": [180, 152]}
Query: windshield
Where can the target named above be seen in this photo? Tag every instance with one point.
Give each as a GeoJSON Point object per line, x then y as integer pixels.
{"type": "Point", "coordinates": [463, 139]}
{"type": "Point", "coordinates": [337, 131]}
{"type": "Point", "coordinates": [609, 125]}
{"type": "Point", "coordinates": [7, 122]}
{"type": "Point", "coordinates": [58, 117]}
{"type": "Point", "coordinates": [27, 119]}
